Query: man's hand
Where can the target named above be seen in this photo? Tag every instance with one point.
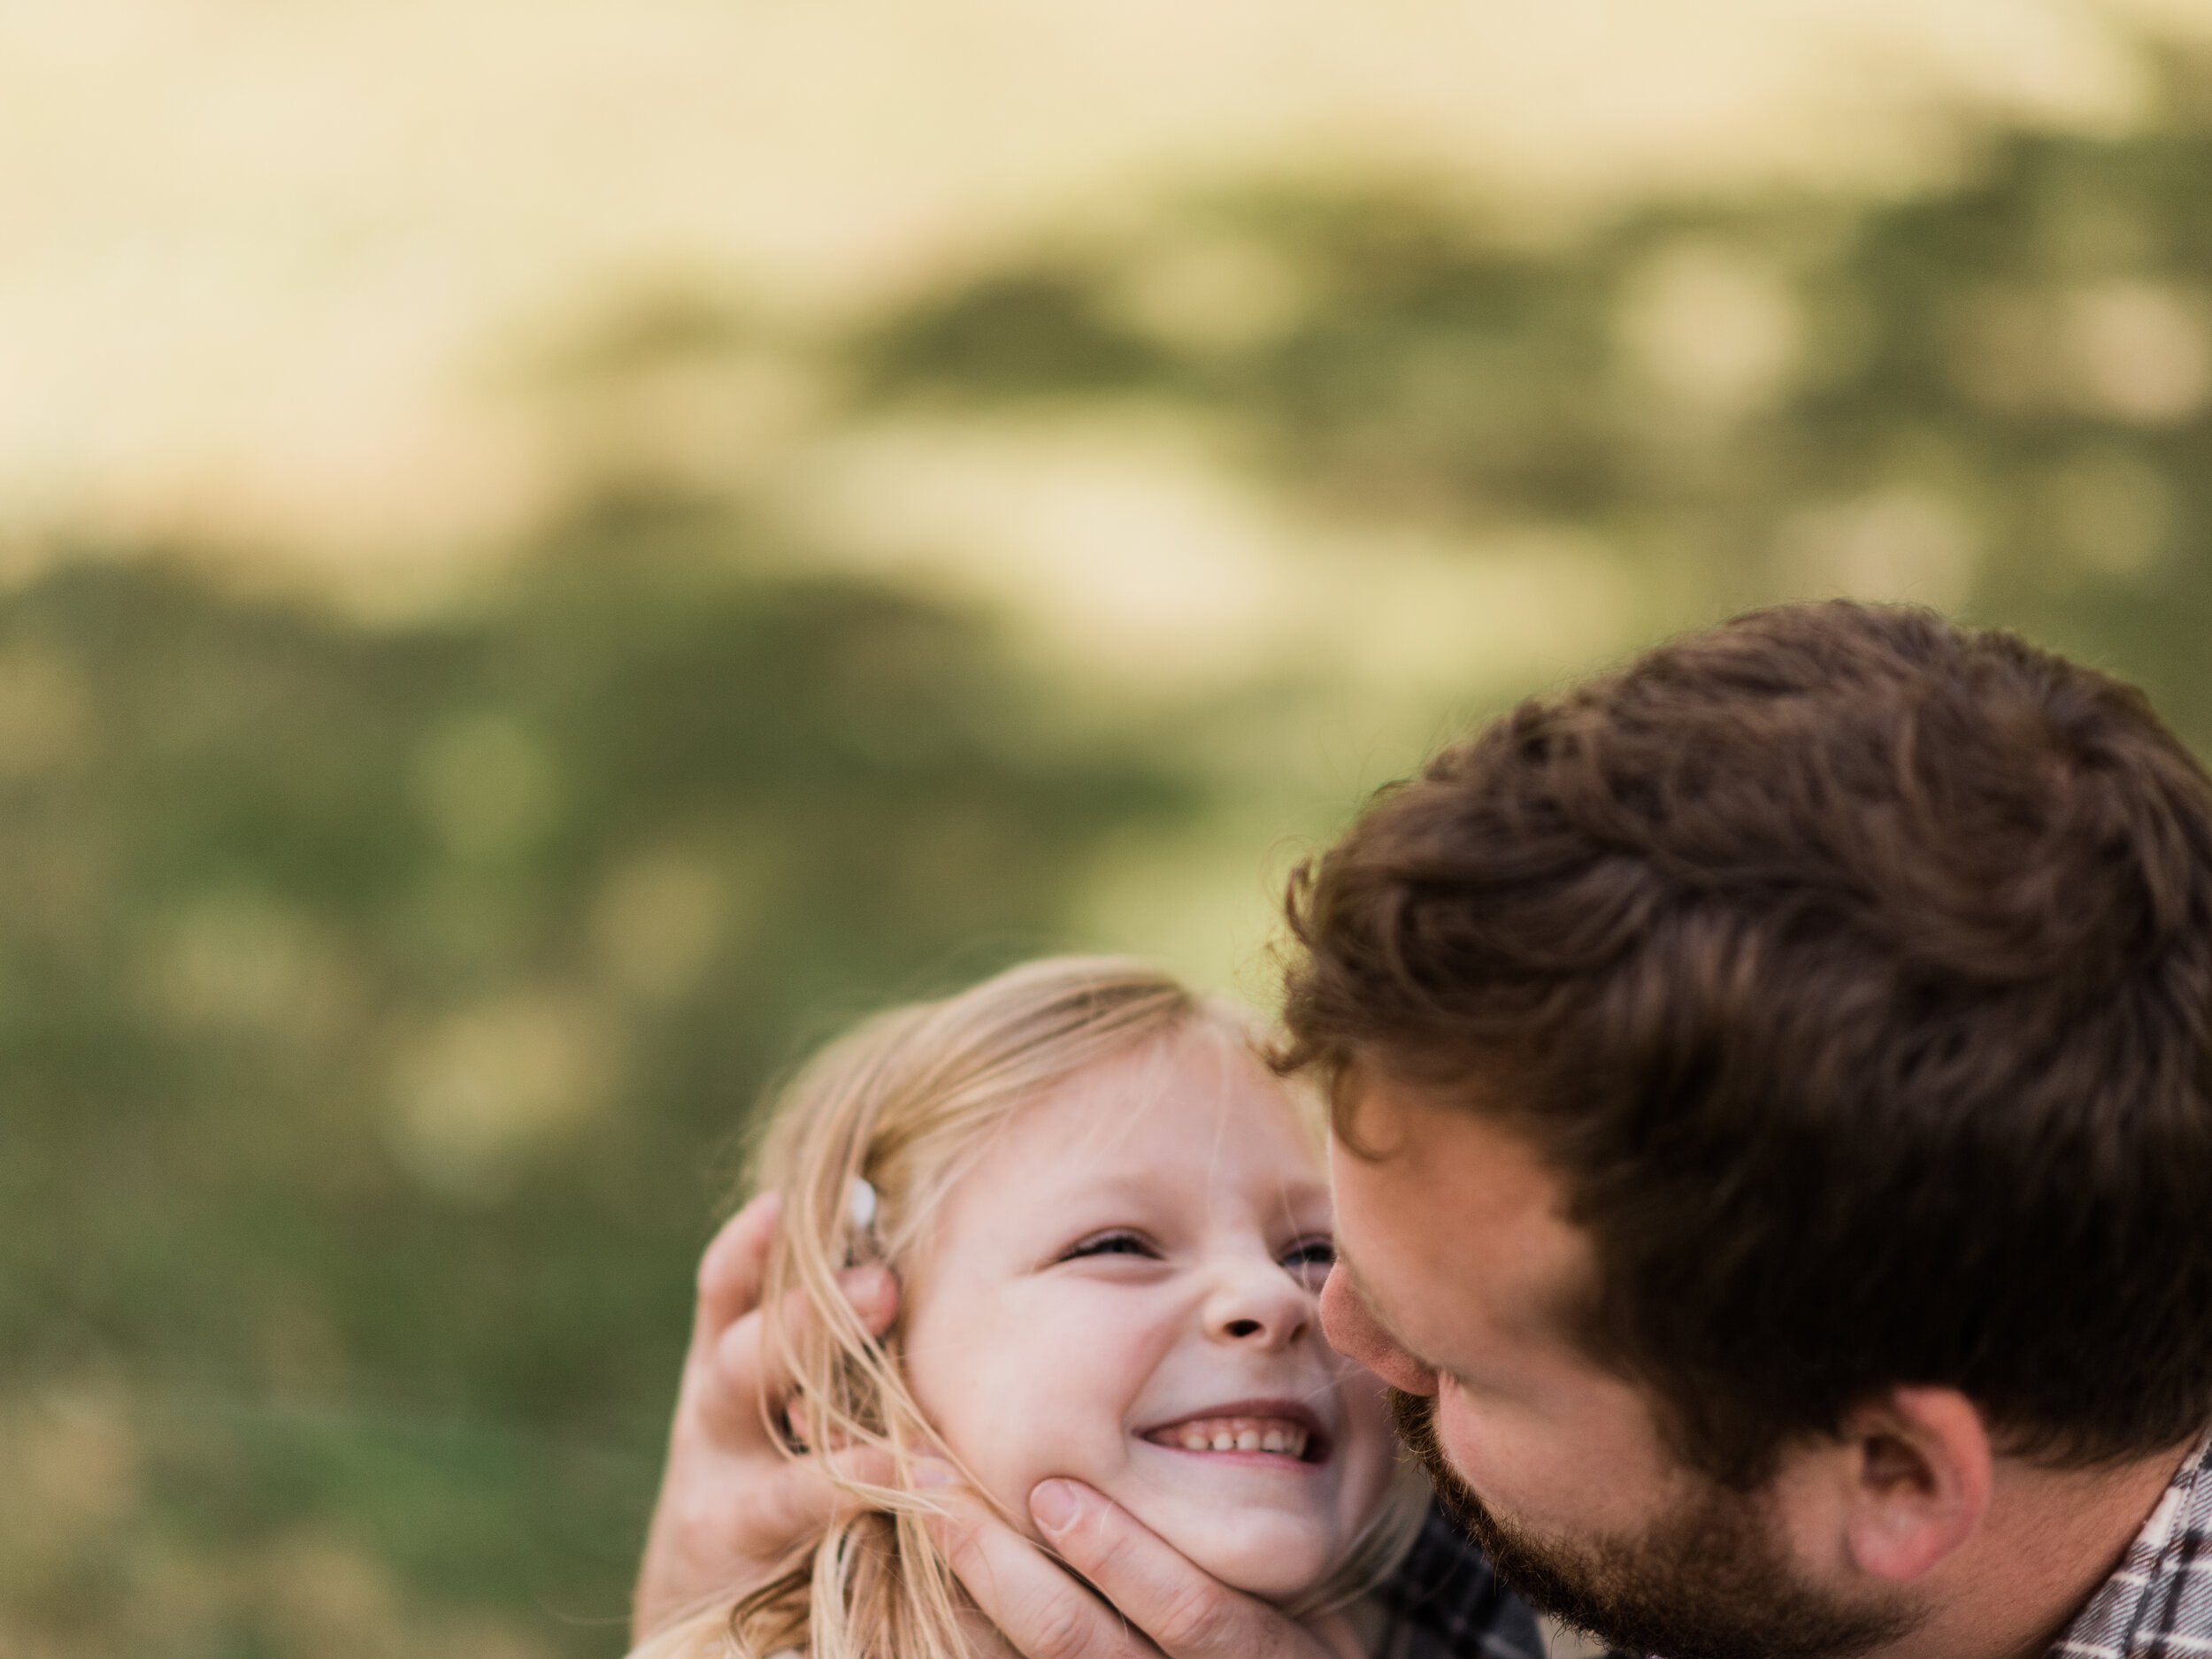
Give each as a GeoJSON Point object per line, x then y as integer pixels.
{"type": "Point", "coordinates": [732, 1505]}
{"type": "Point", "coordinates": [1161, 1604]}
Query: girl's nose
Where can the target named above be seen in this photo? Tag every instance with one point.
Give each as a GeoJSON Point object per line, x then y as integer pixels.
{"type": "Point", "coordinates": [1259, 1304]}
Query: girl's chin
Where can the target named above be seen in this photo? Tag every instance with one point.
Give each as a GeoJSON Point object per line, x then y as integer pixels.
{"type": "Point", "coordinates": [1275, 1557]}
{"type": "Point", "coordinates": [1258, 1574]}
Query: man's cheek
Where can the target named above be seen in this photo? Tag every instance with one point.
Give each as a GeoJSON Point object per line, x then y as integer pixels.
{"type": "Point", "coordinates": [1473, 1451]}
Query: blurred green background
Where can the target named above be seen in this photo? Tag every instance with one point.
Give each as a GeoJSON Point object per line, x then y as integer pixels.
{"type": "Point", "coordinates": [409, 897]}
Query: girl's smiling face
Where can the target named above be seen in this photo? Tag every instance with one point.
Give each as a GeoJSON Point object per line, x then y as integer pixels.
{"type": "Point", "coordinates": [1123, 1289]}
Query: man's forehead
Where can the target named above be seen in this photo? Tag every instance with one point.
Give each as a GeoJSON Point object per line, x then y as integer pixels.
{"type": "Point", "coordinates": [1378, 1084]}
{"type": "Point", "coordinates": [1445, 1208]}
{"type": "Point", "coordinates": [1395, 1110]}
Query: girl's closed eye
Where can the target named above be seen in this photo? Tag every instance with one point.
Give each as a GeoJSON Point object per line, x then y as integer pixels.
{"type": "Point", "coordinates": [1111, 1242]}
{"type": "Point", "coordinates": [1310, 1259]}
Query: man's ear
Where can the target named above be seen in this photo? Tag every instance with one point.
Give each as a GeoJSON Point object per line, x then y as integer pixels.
{"type": "Point", "coordinates": [1919, 1466]}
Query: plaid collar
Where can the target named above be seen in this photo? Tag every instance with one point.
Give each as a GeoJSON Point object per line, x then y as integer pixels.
{"type": "Point", "coordinates": [2159, 1604]}
{"type": "Point", "coordinates": [1444, 1603]}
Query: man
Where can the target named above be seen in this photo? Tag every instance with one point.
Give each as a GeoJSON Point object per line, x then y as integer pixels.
{"type": "Point", "coordinates": [1773, 1094]}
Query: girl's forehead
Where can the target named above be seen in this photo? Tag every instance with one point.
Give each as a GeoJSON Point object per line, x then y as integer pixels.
{"type": "Point", "coordinates": [1198, 1084]}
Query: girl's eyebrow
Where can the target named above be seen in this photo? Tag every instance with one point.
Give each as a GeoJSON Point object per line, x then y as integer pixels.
{"type": "Point", "coordinates": [1133, 1187]}
{"type": "Point", "coordinates": [1084, 1188]}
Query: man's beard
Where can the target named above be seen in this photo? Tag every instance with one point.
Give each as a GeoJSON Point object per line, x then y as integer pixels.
{"type": "Point", "coordinates": [1708, 1581]}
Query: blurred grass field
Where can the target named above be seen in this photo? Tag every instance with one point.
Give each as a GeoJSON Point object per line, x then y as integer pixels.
{"type": "Point", "coordinates": [405, 920]}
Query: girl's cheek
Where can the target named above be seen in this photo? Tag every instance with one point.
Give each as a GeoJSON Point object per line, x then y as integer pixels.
{"type": "Point", "coordinates": [1367, 1411]}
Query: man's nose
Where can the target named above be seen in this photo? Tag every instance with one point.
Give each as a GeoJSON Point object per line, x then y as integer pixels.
{"type": "Point", "coordinates": [1354, 1333]}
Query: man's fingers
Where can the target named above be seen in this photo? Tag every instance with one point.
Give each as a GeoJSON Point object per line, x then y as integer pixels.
{"type": "Point", "coordinates": [874, 1296]}
{"type": "Point", "coordinates": [742, 1369]}
{"type": "Point", "coordinates": [799, 1499]}
{"type": "Point", "coordinates": [1039, 1608]}
{"type": "Point", "coordinates": [736, 1264]}
{"type": "Point", "coordinates": [867, 1465]}
{"type": "Point", "coordinates": [702, 1545]}
{"type": "Point", "coordinates": [1190, 1614]}
{"type": "Point", "coordinates": [732, 1503]}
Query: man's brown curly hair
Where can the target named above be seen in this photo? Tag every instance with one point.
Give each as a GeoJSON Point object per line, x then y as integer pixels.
{"type": "Point", "coordinates": [1853, 970]}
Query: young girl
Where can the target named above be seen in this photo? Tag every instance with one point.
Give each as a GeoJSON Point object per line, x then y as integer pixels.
{"type": "Point", "coordinates": [1109, 1224]}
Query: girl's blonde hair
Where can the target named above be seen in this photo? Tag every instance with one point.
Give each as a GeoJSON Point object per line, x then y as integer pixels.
{"type": "Point", "coordinates": [905, 1103]}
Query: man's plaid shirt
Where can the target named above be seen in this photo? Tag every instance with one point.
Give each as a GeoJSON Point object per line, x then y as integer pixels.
{"type": "Point", "coordinates": [2159, 1604]}
{"type": "Point", "coordinates": [1444, 1603]}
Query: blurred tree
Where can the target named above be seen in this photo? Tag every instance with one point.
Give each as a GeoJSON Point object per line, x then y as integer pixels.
{"type": "Point", "coordinates": [1992, 398]}
{"type": "Point", "coordinates": [380, 1007]}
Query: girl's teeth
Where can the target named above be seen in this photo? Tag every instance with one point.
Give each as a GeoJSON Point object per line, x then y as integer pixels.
{"type": "Point", "coordinates": [1237, 1435]}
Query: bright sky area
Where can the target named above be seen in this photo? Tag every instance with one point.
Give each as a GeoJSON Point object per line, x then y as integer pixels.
{"type": "Point", "coordinates": [264, 268]}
